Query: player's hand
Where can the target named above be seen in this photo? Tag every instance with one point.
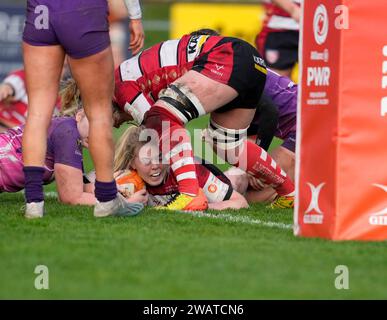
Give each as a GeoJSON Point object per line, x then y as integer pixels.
{"type": "Point", "coordinates": [295, 14]}
{"type": "Point", "coordinates": [139, 196]}
{"type": "Point", "coordinates": [6, 92]}
{"type": "Point", "coordinates": [255, 183]}
{"type": "Point", "coordinates": [136, 36]}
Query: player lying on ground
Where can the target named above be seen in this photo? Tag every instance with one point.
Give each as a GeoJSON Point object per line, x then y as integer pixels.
{"type": "Point", "coordinates": [14, 100]}
{"type": "Point", "coordinates": [280, 102]}
{"type": "Point", "coordinates": [135, 153]}
{"type": "Point", "coordinates": [192, 76]}
{"type": "Point", "coordinates": [67, 135]}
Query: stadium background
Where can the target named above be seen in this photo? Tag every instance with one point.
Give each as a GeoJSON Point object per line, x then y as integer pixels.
{"type": "Point", "coordinates": [248, 254]}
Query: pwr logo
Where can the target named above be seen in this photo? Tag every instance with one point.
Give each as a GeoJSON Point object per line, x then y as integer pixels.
{"type": "Point", "coordinates": [320, 24]}
{"type": "Point", "coordinates": [319, 76]}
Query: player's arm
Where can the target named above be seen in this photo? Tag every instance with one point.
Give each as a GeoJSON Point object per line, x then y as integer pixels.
{"type": "Point", "coordinates": [6, 91]}
{"type": "Point", "coordinates": [135, 26]}
{"type": "Point", "coordinates": [290, 7]}
{"type": "Point", "coordinates": [68, 167]}
{"type": "Point", "coordinates": [218, 188]}
{"type": "Point", "coordinates": [129, 97]}
{"type": "Point", "coordinates": [13, 87]}
{"type": "Point", "coordinates": [120, 117]}
{"type": "Point", "coordinates": [70, 186]}
{"type": "Point", "coordinates": [236, 201]}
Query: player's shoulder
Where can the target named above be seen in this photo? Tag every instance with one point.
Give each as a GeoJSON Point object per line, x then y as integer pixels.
{"type": "Point", "coordinates": [64, 126]}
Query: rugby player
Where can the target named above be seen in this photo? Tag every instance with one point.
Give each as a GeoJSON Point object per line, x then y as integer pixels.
{"type": "Point", "coordinates": [282, 93]}
{"type": "Point", "coordinates": [14, 100]}
{"type": "Point", "coordinates": [176, 81]}
{"type": "Point", "coordinates": [79, 29]}
{"type": "Point", "coordinates": [135, 153]}
{"type": "Point", "coordinates": [279, 37]}
{"type": "Point", "coordinates": [67, 135]}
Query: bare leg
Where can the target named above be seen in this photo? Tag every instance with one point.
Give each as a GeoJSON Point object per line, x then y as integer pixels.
{"type": "Point", "coordinates": [249, 156]}
{"type": "Point", "coordinates": [286, 159]}
{"type": "Point", "coordinates": [43, 66]}
{"type": "Point", "coordinates": [212, 94]}
{"type": "Point", "coordinates": [94, 76]}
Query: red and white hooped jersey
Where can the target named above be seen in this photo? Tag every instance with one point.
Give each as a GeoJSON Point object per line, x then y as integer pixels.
{"type": "Point", "coordinates": [216, 186]}
{"type": "Point", "coordinates": [14, 113]}
{"type": "Point", "coordinates": [278, 19]}
{"type": "Point", "coordinates": [139, 80]}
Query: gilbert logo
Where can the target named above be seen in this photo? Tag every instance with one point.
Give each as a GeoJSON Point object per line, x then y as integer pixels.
{"type": "Point", "coordinates": [379, 218]}
{"type": "Point", "coordinates": [320, 24]}
{"type": "Point", "coordinates": [317, 217]}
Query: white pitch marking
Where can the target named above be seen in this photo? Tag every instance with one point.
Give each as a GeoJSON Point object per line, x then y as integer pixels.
{"type": "Point", "coordinates": [240, 219]}
{"type": "Point", "coordinates": [221, 216]}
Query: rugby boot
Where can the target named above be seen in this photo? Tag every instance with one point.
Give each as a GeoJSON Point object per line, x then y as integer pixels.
{"type": "Point", "coordinates": [34, 210]}
{"type": "Point", "coordinates": [117, 207]}
{"type": "Point", "coordinates": [185, 202]}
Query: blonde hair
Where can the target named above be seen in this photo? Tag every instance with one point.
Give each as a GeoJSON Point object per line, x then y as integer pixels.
{"type": "Point", "coordinates": [127, 147]}
{"type": "Point", "coordinates": [70, 97]}
{"type": "Point", "coordinates": [71, 101]}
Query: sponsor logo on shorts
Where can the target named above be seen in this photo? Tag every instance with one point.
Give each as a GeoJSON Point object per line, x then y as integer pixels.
{"type": "Point", "coordinates": [219, 67]}
{"type": "Point", "coordinates": [321, 24]}
{"type": "Point", "coordinates": [379, 218]}
{"type": "Point", "coordinates": [259, 61]}
{"type": "Point", "coordinates": [260, 64]}
{"type": "Point", "coordinates": [218, 73]}
{"type": "Point", "coordinates": [314, 215]}
{"type": "Point", "coordinates": [194, 47]}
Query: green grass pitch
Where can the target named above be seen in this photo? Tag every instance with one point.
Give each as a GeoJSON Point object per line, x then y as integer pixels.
{"type": "Point", "coordinates": [249, 254]}
{"type": "Point", "coordinates": [246, 254]}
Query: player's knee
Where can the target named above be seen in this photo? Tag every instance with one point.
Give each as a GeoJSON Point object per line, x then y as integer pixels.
{"type": "Point", "coordinates": [179, 99]}
{"type": "Point", "coordinates": [238, 179]}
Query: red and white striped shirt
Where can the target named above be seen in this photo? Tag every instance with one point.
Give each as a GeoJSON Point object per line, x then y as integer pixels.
{"type": "Point", "coordinates": [139, 80]}
{"type": "Point", "coordinates": [278, 19]}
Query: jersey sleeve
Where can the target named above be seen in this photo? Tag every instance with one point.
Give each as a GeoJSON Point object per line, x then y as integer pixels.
{"type": "Point", "coordinates": [66, 146]}
{"type": "Point", "coordinates": [130, 98]}
{"type": "Point", "coordinates": [134, 9]}
{"type": "Point", "coordinates": [214, 183]}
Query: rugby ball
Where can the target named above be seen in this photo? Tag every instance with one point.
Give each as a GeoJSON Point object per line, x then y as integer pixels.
{"type": "Point", "coordinates": [129, 182]}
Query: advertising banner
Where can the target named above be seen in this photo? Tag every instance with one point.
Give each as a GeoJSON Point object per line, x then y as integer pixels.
{"type": "Point", "coordinates": [342, 121]}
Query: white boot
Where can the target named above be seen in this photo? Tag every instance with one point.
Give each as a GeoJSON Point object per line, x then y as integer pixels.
{"type": "Point", "coordinates": [34, 210]}
{"type": "Point", "coordinates": [117, 207]}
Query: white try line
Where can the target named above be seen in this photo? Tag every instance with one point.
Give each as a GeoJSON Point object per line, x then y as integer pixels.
{"type": "Point", "coordinates": [241, 219]}
{"type": "Point", "coordinates": [221, 216]}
